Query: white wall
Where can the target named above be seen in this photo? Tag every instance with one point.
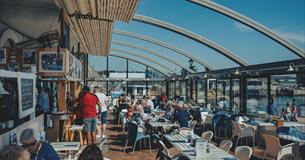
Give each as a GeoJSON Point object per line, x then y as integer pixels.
{"type": "Point", "coordinates": [37, 124]}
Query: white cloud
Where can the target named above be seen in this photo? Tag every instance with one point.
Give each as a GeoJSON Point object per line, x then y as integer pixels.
{"type": "Point", "coordinates": [298, 37]}
{"type": "Point", "coordinates": [241, 27]}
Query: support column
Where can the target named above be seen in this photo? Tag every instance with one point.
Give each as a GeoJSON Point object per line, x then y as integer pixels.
{"type": "Point", "coordinates": [243, 94]}
{"type": "Point", "coordinates": [107, 75]}
{"type": "Point", "coordinates": [146, 81]}
{"type": "Point", "coordinates": [127, 76]}
{"type": "Point", "coordinates": [231, 94]}
{"type": "Point", "coordinates": [206, 91]}
{"type": "Point", "coordinates": [62, 96]}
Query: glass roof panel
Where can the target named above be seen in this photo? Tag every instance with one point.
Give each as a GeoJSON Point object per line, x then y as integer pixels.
{"type": "Point", "coordinates": [246, 43]}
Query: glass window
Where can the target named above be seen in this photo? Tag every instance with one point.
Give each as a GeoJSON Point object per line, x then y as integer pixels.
{"type": "Point", "coordinates": [211, 92]}
{"type": "Point", "coordinates": [172, 89]}
{"type": "Point", "coordinates": [223, 94]}
{"type": "Point", "coordinates": [194, 90]}
{"type": "Point", "coordinates": [235, 95]}
{"type": "Point", "coordinates": [177, 88]}
{"type": "Point", "coordinates": [201, 91]}
{"type": "Point", "coordinates": [257, 95]}
{"type": "Point", "coordinates": [183, 89]}
{"type": "Point", "coordinates": [285, 88]}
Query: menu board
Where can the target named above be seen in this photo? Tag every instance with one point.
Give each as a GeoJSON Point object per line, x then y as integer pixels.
{"type": "Point", "coordinates": [27, 93]}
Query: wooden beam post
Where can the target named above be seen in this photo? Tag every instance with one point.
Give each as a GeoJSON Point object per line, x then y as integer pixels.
{"type": "Point", "coordinates": [62, 96]}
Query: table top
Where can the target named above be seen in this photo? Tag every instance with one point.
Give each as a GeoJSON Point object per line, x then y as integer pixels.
{"type": "Point", "coordinates": [190, 152]}
{"type": "Point", "coordinates": [161, 124]}
{"type": "Point", "coordinates": [293, 124]}
{"type": "Point", "coordinates": [65, 146]}
{"type": "Point", "coordinates": [291, 138]}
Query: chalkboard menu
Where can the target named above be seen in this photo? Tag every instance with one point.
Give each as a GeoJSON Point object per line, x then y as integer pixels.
{"type": "Point", "coordinates": [27, 93]}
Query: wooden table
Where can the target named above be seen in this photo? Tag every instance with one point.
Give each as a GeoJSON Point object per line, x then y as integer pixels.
{"type": "Point", "coordinates": [215, 153]}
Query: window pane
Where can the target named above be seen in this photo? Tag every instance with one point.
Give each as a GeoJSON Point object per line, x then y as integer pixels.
{"type": "Point", "coordinates": [172, 89]}
{"type": "Point", "coordinates": [257, 95]}
{"type": "Point", "coordinates": [223, 94]}
{"type": "Point", "coordinates": [183, 89]}
{"type": "Point", "coordinates": [236, 95]}
{"type": "Point", "coordinates": [201, 91]}
{"type": "Point", "coordinates": [211, 92]}
{"type": "Point", "coordinates": [286, 88]}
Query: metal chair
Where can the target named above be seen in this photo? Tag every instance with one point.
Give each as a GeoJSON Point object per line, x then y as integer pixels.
{"type": "Point", "coordinates": [225, 145]}
{"type": "Point", "coordinates": [134, 136]}
{"type": "Point", "coordinates": [243, 152]}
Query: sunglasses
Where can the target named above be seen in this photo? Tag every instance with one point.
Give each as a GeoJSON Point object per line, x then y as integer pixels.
{"type": "Point", "coordinates": [29, 145]}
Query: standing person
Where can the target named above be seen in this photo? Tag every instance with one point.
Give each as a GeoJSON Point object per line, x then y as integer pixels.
{"type": "Point", "coordinates": [272, 107]}
{"type": "Point", "coordinates": [103, 100]}
{"type": "Point", "coordinates": [43, 101]}
{"type": "Point", "coordinates": [38, 150]}
{"type": "Point", "coordinates": [88, 103]}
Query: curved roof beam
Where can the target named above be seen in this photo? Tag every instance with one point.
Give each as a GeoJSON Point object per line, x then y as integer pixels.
{"type": "Point", "coordinates": [134, 60]}
{"type": "Point", "coordinates": [143, 57]}
{"type": "Point", "coordinates": [154, 53]}
{"type": "Point", "coordinates": [250, 23]}
{"type": "Point", "coordinates": [191, 35]}
{"type": "Point", "coordinates": [163, 44]}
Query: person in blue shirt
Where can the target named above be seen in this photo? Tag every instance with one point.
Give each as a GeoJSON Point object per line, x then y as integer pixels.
{"type": "Point", "coordinates": [181, 115]}
{"type": "Point", "coordinates": [39, 150]}
{"type": "Point", "coordinates": [43, 101]}
{"type": "Point", "coordinates": [272, 107]}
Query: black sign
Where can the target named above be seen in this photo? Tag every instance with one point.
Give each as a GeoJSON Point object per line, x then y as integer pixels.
{"type": "Point", "coordinates": [27, 93]}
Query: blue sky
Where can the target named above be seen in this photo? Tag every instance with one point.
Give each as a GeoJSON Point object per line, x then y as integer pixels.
{"type": "Point", "coordinates": [285, 17]}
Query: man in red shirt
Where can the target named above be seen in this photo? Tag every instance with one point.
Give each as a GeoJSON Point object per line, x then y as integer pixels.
{"type": "Point", "coordinates": [88, 104]}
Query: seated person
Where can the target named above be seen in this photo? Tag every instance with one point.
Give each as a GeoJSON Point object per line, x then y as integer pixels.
{"type": "Point", "coordinates": [181, 115]}
{"type": "Point", "coordinates": [91, 152]}
{"type": "Point", "coordinates": [38, 150]}
{"type": "Point", "coordinates": [170, 111]}
{"type": "Point", "coordinates": [138, 116]}
{"type": "Point", "coordinates": [14, 152]}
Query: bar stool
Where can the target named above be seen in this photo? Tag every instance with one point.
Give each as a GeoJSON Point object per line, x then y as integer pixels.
{"type": "Point", "coordinates": [70, 130]}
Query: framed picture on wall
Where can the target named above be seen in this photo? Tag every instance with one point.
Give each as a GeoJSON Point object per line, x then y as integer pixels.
{"type": "Point", "coordinates": [51, 61]}
{"type": "Point", "coordinates": [2, 56]}
{"type": "Point", "coordinates": [28, 57]}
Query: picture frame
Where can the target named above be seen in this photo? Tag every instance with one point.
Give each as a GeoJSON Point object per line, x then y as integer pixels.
{"type": "Point", "coordinates": [3, 56]}
{"type": "Point", "coordinates": [51, 61]}
{"type": "Point", "coordinates": [28, 57]}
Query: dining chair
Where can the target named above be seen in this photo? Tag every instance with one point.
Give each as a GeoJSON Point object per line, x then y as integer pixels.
{"type": "Point", "coordinates": [243, 152]}
{"type": "Point", "coordinates": [225, 145]}
{"type": "Point", "coordinates": [242, 132]}
{"type": "Point", "coordinates": [207, 136]}
{"type": "Point", "coordinates": [274, 150]}
{"type": "Point", "coordinates": [134, 136]}
{"type": "Point", "coordinates": [166, 154]}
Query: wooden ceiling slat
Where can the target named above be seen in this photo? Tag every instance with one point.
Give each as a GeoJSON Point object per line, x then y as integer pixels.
{"type": "Point", "coordinates": [133, 9]}
{"type": "Point", "coordinates": [95, 35]}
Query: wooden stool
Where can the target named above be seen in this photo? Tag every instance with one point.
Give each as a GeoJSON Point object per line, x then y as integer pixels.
{"type": "Point", "coordinates": [78, 128]}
